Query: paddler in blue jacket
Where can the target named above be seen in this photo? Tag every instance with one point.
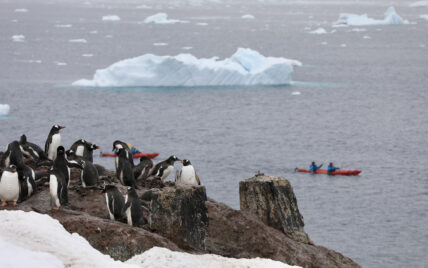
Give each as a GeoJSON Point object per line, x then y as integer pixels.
{"type": "Point", "coordinates": [331, 168]}
{"type": "Point", "coordinates": [313, 167]}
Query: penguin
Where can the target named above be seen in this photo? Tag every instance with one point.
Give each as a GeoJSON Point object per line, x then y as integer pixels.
{"type": "Point", "coordinates": [114, 200]}
{"type": "Point", "coordinates": [124, 170]}
{"type": "Point", "coordinates": [88, 154]}
{"type": "Point", "coordinates": [27, 183]}
{"type": "Point", "coordinates": [63, 165]}
{"type": "Point", "coordinates": [122, 145]}
{"type": "Point", "coordinates": [57, 189]}
{"type": "Point", "coordinates": [132, 208]}
{"type": "Point", "coordinates": [9, 186]}
{"type": "Point", "coordinates": [12, 156]}
{"type": "Point", "coordinates": [79, 147]}
{"type": "Point", "coordinates": [53, 141]}
{"type": "Point", "coordinates": [187, 174]}
{"type": "Point", "coordinates": [30, 149]}
{"type": "Point", "coordinates": [164, 168]}
{"type": "Point", "coordinates": [144, 168]}
{"type": "Point", "coordinates": [88, 174]}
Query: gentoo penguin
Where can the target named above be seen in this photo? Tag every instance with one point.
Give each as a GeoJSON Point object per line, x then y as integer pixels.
{"type": "Point", "coordinates": [144, 168]}
{"type": "Point", "coordinates": [132, 208]}
{"type": "Point", "coordinates": [12, 156]}
{"type": "Point", "coordinates": [27, 183]}
{"type": "Point", "coordinates": [88, 154]}
{"type": "Point", "coordinates": [88, 174]}
{"type": "Point", "coordinates": [187, 174]}
{"type": "Point", "coordinates": [117, 145]}
{"type": "Point", "coordinates": [124, 171]}
{"type": "Point", "coordinates": [31, 149]}
{"type": "Point", "coordinates": [9, 186]}
{"type": "Point", "coordinates": [53, 141]}
{"type": "Point", "coordinates": [115, 201]}
{"type": "Point", "coordinates": [57, 189]}
{"type": "Point", "coordinates": [62, 164]}
{"type": "Point", "coordinates": [164, 168]}
{"type": "Point", "coordinates": [79, 147]}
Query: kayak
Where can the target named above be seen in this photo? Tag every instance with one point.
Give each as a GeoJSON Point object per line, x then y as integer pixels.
{"type": "Point", "coordinates": [337, 172]}
{"type": "Point", "coordinates": [137, 155]}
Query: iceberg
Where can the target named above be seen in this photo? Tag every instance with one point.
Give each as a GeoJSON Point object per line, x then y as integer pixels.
{"type": "Point", "coordinates": [111, 18]}
{"type": "Point", "coordinates": [391, 18]}
{"type": "Point", "coordinates": [419, 4]}
{"type": "Point", "coordinates": [4, 109]}
{"type": "Point", "coordinates": [162, 18]}
{"type": "Point", "coordinates": [244, 68]}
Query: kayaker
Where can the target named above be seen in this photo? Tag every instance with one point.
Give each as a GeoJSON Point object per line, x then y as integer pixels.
{"type": "Point", "coordinates": [331, 168]}
{"type": "Point", "coordinates": [313, 167]}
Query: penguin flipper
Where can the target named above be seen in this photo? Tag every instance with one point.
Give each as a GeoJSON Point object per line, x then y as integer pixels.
{"type": "Point", "coordinates": [197, 179]}
{"type": "Point", "coordinates": [125, 207]}
{"type": "Point", "coordinates": [48, 141]}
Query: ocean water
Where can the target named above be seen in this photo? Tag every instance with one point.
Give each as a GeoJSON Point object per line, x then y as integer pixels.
{"type": "Point", "coordinates": [363, 104]}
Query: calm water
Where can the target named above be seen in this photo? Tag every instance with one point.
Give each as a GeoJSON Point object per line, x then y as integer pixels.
{"type": "Point", "coordinates": [363, 104]}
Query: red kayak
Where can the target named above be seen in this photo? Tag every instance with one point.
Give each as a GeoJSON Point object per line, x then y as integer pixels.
{"type": "Point", "coordinates": [337, 172]}
{"type": "Point", "coordinates": [138, 155]}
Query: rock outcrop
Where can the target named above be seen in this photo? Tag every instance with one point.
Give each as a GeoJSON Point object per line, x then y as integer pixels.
{"type": "Point", "coordinates": [273, 201]}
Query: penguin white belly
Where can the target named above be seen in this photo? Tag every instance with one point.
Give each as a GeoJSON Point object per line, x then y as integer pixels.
{"type": "Point", "coordinates": [188, 175]}
{"type": "Point", "coordinates": [83, 181]}
{"type": "Point", "coordinates": [108, 207]}
{"type": "Point", "coordinates": [128, 212]}
{"type": "Point", "coordinates": [56, 141]}
{"type": "Point", "coordinates": [116, 162]}
{"type": "Point", "coordinates": [79, 150]}
{"type": "Point", "coordinates": [53, 188]}
{"type": "Point", "coordinates": [9, 186]}
{"type": "Point", "coordinates": [30, 187]}
{"type": "Point", "coordinates": [166, 172]}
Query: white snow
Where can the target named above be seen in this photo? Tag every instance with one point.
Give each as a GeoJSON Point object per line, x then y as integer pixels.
{"type": "Point", "coordinates": [78, 41]}
{"type": "Point", "coordinates": [245, 67]}
{"type": "Point", "coordinates": [425, 16]}
{"type": "Point", "coordinates": [21, 10]}
{"type": "Point", "coordinates": [248, 16]}
{"type": "Point", "coordinates": [390, 18]}
{"type": "Point", "coordinates": [158, 257]}
{"type": "Point", "coordinates": [162, 18]}
{"type": "Point", "coordinates": [419, 4]}
{"type": "Point", "coordinates": [318, 31]}
{"type": "Point", "coordinates": [111, 18]}
{"type": "Point", "coordinates": [18, 38]}
{"type": "Point", "coordinates": [63, 25]}
{"type": "Point", "coordinates": [4, 109]}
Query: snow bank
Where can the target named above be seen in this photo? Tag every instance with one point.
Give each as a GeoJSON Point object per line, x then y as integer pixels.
{"type": "Point", "coordinates": [162, 18]}
{"type": "Point", "coordinates": [111, 18]}
{"type": "Point", "coordinates": [4, 109]}
{"type": "Point", "coordinates": [391, 18]}
{"type": "Point", "coordinates": [318, 31]}
{"type": "Point", "coordinates": [41, 237]}
{"type": "Point", "coordinates": [18, 38]}
{"type": "Point", "coordinates": [161, 257]}
{"type": "Point", "coordinates": [419, 4]}
{"type": "Point", "coordinates": [247, 16]}
{"type": "Point", "coordinates": [245, 67]}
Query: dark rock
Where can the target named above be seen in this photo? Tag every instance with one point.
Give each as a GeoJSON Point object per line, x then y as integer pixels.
{"type": "Point", "coordinates": [273, 201]}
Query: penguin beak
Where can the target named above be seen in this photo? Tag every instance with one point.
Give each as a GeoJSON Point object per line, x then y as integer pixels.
{"type": "Point", "coordinates": [97, 147]}
{"type": "Point", "coordinates": [61, 127]}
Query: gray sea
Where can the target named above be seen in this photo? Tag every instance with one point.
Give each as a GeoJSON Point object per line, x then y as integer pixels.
{"type": "Point", "coordinates": [363, 104]}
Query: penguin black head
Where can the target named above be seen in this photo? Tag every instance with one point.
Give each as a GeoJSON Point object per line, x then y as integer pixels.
{"type": "Point", "coordinates": [172, 159]}
{"type": "Point", "coordinates": [57, 128]}
{"type": "Point", "coordinates": [117, 144]}
{"type": "Point", "coordinates": [186, 162]}
{"type": "Point", "coordinates": [69, 153]}
{"type": "Point", "coordinates": [11, 168]}
{"type": "Point", "coordinates": [60, 150]}
{"type": "Point", "coordinates": [94, 147]}
{"type": "Point", "coordinates": [23, 139]}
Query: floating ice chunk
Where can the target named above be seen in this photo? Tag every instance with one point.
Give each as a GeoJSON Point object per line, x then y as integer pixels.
{"type": "Point", "coordinates": [143, 7]}
{"type": "Point", "coordinates": [367, 37]}
{"type": "Point", "coordinates": [111, 18]}
{"type": "Point", "coordinates": [358, 30]}
{"type": "Point", "coordinates": [187, 48]}
{"type": "Point", "coordinates": [18, 38]}
{"type": "Point", "coordinates": [21, 10]}
{"type": "Point", "coordinates": [391, 18]}
{"type": "Point", "coordinates": [295, 93]}
{"type": "Point", "coordinates": [109, 36]}
{"type": "Point", "coordinates": [324, 43]}
{"type": "Point", "coordinates": [202, 24]}
{"type": "Point", "coordinates": [63, 25]}
{"type": "Point", "coordinates": [425, 17]}
{"type": "Point", "coordinates": [60, 63]}
{"type": "Point", "coordinates": [247, 16]}
{"type": "Point", "coordinates": [419, 4]}
{"type": "Point", "coordinates": [77, 41]}
{"type": "Point", "coordinates": [160, 44]}
{"type": "Point", "coordinates": [318, 31]}
{"type": "Point", "coordinates": [4, 109]}
{"type": "Point", "coordinates": [162, 18]}
{"type": "Point", "coordinates": [87, 55]}
{"type": "Point", "coordinates": [245, 67]}
{"type": "Point", "coordinates": [343, 45]}
{"type": "Point", "coordinates": [93, 32]}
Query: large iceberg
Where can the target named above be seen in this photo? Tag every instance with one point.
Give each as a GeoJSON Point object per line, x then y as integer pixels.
{"type": "Point", "coordinates": [4, 109]}
{"type": "Point", "coordinates": [391, 18]}
{"type": "Point", "coordinates": [162, 18]}
{"type": "Point", "coordinates": [245, 67]}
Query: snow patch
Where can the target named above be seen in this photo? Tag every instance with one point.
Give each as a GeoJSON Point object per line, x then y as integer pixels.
{"type": "Point", "coordinates": [111, 18]}
{"type": "Point", "coordinates": [248, 16]}
{"type": "Point", "coordinates": [18, 38]}
{"type": "Point", "coordinates": [318, 31]}
{"type": "Point", "coordinates": [21, 10]}
{"type": "Point", "coordinates": [419, 4]}
{"type": "Point", "coordinates": [4, 110]}
{"type": "Point", "coordinates": [390, 18]}
{"type": "Point", "coordinates": [78, 41]}
{"type": "Point", "coordinates": [245, 67]}
{"type": "Point", "coordinates": [162, 18]}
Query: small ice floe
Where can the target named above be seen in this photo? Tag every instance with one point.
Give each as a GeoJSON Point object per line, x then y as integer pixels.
{"type": "Point", "coordinates": [58, 63]}
{"type": "Point", "coordinates": [162, 18]}
{"type": "Point", "coordinates": [109, 36]}
{"type": "Point", "coordinates": [160, 44]}
{"type": "Point", "coordinates": [93, 32]}
{"type": "Point", "coordinates": [367, 37]}
{"type": "Point", "coordinates": [87, 55]}
{"type": "Point", "coordinates": [14, 20]}
{"type": "Point", "coordinates": [390, 18]}
{"type": "Point", "coordinates": [342, 45]}
{"type": "Point", "coordinates": [186, 48]}
{"type": "Point", "coordinates": [295, 93]}
{"type": "Point", "coordinates": [143, 7]}
{"type": "Point", "coordinates": [18, 38]}
{"type": "Point", "coordinates": [318, 31]}
{"type": "Point", "coordinates": [21, 10]}
{"type": "Point", "coordinates": [63, 25]}
{"type": "Point", "coordinates": [83, 41]}
{"type": "Point", "coordinates": [4, 109]}
{"type": "Point", "coordinates": [357, 30]}
{"type": "Point", "coordinates": [247, 16]}
{"type": "Point", "coordinates": [324, 43]}
{"type": "Point", "coordinates": [111, 18]}
{"type": "Point", "coordinates": [419, 4]}
{"type": "Point", "coordinates": [202, 24]}
{"type": "Point", "coordinates": [425, 17]}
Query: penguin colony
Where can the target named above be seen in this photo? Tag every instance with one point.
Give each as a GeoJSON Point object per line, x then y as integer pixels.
{"type": "Point", "coordinates": [18, 181]}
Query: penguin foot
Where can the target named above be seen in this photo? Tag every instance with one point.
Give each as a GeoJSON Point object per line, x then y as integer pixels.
{"type": "Point", "coordinates": [3, 204]}
{"type": "Point", "coordinates": [14, 203]}
{"type": "Point", "coordinates": [56, 209]}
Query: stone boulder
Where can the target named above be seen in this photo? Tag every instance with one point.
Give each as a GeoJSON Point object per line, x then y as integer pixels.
{"type": "Point", "coordinates": [273, 201]}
